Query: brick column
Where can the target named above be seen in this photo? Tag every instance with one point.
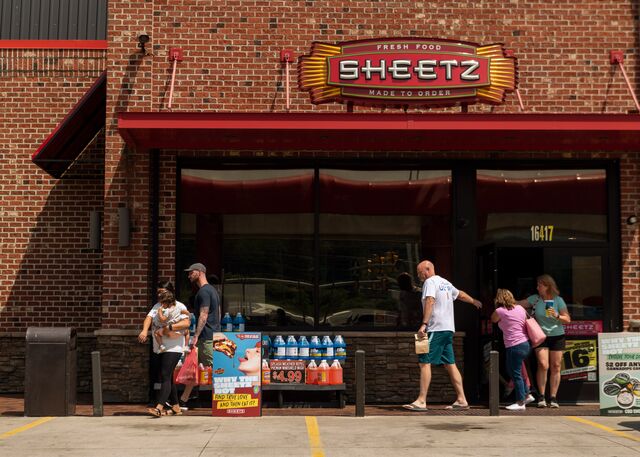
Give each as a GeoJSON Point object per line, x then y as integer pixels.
{"type": "Point", "coordinates": [126, 275]}
{"type": "Point", "coordinates": [630, 237]}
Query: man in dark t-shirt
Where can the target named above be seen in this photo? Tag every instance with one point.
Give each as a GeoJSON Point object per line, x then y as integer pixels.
{"type": "Point", "coordinates": [207, 312]}
{"type": "Point", "coordinates": [206, 308]}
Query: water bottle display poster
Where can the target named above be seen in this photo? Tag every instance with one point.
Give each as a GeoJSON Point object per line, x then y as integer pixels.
{"type": "Point", "coordinates": [619, 373]}
{"type": "Point", "coordinates": [237, 375]}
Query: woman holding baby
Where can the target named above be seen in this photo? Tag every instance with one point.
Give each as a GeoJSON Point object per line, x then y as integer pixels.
{"type": "Point", "coordinates": [168, 320]}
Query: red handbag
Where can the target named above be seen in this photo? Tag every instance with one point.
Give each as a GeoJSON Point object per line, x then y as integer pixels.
{"type": "Point", "coordinates": [535, 333]}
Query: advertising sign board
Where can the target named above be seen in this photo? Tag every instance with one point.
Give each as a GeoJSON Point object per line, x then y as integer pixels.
{"type": "Point", "coordinates": [402, 72]}
{"type": "Point", "coordinates": [579, 360]}
{"type": "Point", "coordinates": [619, 370]}
{"type": "Point", "coordinates": [237, 375]}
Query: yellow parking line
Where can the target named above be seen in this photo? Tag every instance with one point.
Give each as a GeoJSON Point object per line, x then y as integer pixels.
{"type": "Point", "coordinates": [15, 431]}
{"type": "Point", "coordinates": [314, 437]}
{"type": "Point", "coordinates": [604, 427]}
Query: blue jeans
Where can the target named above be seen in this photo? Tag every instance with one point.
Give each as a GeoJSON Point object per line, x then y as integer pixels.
{"type": "Point", "coordinates": [514, 357]}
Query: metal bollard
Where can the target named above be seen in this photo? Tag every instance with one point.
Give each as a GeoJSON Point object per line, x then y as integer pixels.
{"type": "Point", "coordinates": [360, 383]}
{"type": "Point", "coordinates": [96, 372]}
{"type": "Point", "coordinates": [494, 383]}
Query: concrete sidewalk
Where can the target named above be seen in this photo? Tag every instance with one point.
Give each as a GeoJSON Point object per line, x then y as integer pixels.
{"type": "Point", "coordinates": [13, 405]}
{"type": "Point", "coordinates": [126, 430]}
{"type": "Point", "coordinates": [417, 435]}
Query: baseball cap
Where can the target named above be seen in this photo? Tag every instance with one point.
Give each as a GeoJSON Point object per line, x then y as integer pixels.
{"type": "Point", "coordinates": [197, 267]}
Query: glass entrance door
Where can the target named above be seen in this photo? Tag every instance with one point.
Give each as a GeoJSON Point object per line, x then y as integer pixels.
{"type": "Point", "coordinates": [583, 284]}
{"type": "Point", "coordinates": [578, 272]}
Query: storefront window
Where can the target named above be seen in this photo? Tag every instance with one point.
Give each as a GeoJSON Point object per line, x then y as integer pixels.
{"type": "Point", "coordinates": [255, 229]}
{"type": "Point", "coordinates": [579, 278]}
{"type": "Point", "coordinates": [542, 206]}
{"type": "Point", "coordinates": [373, 229]}
{"type": "Point", "coordinates": [260, 230]}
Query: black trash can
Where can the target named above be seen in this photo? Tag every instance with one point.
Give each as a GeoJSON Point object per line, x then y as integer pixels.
{"type": "Point", "coordinates": [50, 372]}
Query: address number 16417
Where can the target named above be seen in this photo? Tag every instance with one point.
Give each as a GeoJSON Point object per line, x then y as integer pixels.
{"type": "Point", "coordinates": [542, 233]}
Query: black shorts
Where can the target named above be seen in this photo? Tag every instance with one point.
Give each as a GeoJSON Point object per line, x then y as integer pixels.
{"type": "Point", "coordinates": [554, 343]}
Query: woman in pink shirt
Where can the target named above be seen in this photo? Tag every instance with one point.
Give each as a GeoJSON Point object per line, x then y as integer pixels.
{"type": "Point", "coordinates": [511, 318]}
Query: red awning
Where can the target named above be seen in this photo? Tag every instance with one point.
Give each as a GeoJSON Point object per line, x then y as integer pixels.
{"type": "Point", "coordinates": [75, 132]}
{"type": "Point", "coordinates": [381, 132]}
{"type": "Point", "coordinates": [562, 195]}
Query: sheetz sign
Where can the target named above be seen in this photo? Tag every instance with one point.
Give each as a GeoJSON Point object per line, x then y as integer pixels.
{"type": "Point", "coordinates": [407, 71]}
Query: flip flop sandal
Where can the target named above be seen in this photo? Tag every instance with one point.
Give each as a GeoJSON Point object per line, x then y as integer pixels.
{"type": "Point", "coordinates": [414, 407]}
{"type": "Point", "coordinates": [155, 412]}
{"type": "Point", "coordinates": [174, 411]}
{"type": "Point", "coordinates": [457, 406]}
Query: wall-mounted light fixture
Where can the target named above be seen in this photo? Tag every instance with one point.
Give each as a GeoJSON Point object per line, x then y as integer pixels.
{"type": "Point", "coordinates": [124, 227]}
{"type": "Point", "coordinates": [631, 220]}
{"type": "Point", "coordinates": [95, 223]}
{"type": "Point", "coordinates": [143, 39]}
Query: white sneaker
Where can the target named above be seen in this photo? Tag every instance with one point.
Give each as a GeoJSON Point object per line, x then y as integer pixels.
{"type": "Point", "coordinates": [530, 399]}
{"type": "Point", "coordinates": [516, 407]}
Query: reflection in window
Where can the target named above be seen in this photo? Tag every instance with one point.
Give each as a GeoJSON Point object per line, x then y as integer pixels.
{"type": "Point", "coordinates": [542, 205]}
{"type": "Point", "coordinates": [372, 231]}
{"type": "Point", "coordinates": [255, 227]}
{"type": "Point", "coordinates": [579, 278]}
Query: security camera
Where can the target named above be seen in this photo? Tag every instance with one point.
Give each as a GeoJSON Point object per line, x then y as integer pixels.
{"type": "Point", "coordinates": [143, 39]}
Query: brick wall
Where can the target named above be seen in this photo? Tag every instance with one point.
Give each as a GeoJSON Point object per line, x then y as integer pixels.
{"type": "Point", "coordinates": [48, 274]}
{"type": "Point", "coordinates": [231, 64]}
{"type": "Point", "coordinates": [231, 48]}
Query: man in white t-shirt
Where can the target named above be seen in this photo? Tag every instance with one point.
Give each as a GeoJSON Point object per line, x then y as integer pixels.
{"type": "Point", "coordinates": [438, 295]}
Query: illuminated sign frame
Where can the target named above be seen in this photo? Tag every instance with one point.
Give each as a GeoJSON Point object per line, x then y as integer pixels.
{"type": "Point", "coordinates": [401, 72]}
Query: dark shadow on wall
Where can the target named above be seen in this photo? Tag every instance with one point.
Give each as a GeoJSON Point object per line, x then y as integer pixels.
{"type": "Point", "coordinates": [58, 282]}
{"type": "Point", "coordinates": [129, 81]}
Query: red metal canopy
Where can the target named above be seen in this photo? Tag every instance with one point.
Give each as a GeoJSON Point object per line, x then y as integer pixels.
{"type": "Point", "coordinates": [381, 132]}
{"type": "Point", "coordinates": [67, 141]}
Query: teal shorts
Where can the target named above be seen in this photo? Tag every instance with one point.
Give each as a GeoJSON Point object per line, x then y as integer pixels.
{"type": "Point", "coordinates": [440, 349]}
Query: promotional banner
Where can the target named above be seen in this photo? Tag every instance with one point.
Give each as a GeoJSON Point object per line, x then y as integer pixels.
{"type": "Point", "coordinates": [580, 360]}
{"type": "Point", "coordinates": [237, 374]}
{"type": "Point", "coordinates": [619, 370]}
